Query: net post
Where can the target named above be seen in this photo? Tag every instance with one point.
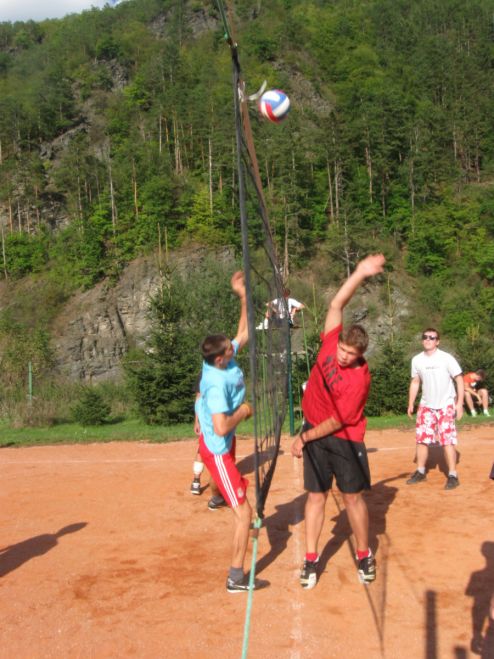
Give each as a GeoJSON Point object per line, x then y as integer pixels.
{"type": "Point", "coordinates": [290, 386]}
{"type": "Point", "coordinates": [254, 534]}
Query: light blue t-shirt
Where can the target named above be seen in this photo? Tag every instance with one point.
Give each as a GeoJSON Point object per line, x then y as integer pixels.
{"type": "Point", "coordinates": [222, 391]}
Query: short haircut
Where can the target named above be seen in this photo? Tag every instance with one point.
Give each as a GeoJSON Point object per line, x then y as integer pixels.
{"type": "Point", "coordinates": [213, 346]}
{"type": "Point", "coordinates": [481, 373]}
{"type": "Point", "coordinates": [432, 329]}
{"type": "Point", "coordinates": [355, 336]}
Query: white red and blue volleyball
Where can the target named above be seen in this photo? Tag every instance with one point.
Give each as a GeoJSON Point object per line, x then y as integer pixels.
{"type": "Point", "coordinates": [274, 105]}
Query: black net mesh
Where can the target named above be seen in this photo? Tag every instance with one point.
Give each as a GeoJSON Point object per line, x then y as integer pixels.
{"type": "Point", "coordinates": [269, 333]}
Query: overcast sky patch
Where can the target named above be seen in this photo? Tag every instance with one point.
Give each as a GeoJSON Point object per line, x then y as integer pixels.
{"type": "Point", "coordinates": [38, 10]}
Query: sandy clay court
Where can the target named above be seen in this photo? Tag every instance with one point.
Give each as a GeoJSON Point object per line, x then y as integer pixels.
{"type": "Point", "coordinates": [104, 553]}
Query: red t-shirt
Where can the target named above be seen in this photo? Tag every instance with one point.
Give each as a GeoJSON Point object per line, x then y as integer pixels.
{"type": "Point", "coordinates": [336, 392]}
{"type": "Point", "coordinates": [470, 380]}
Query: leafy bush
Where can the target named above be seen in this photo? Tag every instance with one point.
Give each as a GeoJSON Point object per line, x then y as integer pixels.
{"type": "Point", "coordinates": [92, 409]}
{"type": "Point", "coordinates": [390, 381]}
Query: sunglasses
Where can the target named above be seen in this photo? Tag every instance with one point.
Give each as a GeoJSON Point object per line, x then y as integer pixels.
{"type": "Point", "coordinates": [428, 337]}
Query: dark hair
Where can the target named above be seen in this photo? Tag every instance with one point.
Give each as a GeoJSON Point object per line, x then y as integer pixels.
{"type": "Point", "coordinates": [355, 336]}
{"type": "Point", "coordinates": [213, 346]}
{"type": "Point", "coordinates": [481, 373]}
{"type": "Point", "coordinates": [432, 329]}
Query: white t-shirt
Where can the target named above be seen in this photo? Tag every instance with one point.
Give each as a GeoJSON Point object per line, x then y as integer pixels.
{"type": "Point", "coordinates": [279, 308]}
{"type": "Point", "coordinates": [436, 373]}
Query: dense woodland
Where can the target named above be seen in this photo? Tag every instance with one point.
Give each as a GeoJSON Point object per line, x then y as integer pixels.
{"type": "Point", "coordinates": [117, 136]}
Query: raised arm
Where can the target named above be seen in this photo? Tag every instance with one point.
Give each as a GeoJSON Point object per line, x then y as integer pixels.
{"type": "Point", "coordinates": [238, 287]}
{"type": "Point", "coordinates": [368, 267]}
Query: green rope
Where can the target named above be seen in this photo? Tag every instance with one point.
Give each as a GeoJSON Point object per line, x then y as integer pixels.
{"type": "Point", "coordinates": [221, 9]}
{"type": "Point", "coordinates": [257, 525]}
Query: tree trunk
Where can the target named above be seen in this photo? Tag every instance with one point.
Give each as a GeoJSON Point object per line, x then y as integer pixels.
{"type": "Point", "coordinates": [210, 167]}
{"type": "Point", "coordinates": [3, 253]}
{"type": "Point", "coordinates": [112, 200]}
{"type": "Point", "coordinates": [330, 199]}
{"type": "Point", "coordinates": [134, 186]}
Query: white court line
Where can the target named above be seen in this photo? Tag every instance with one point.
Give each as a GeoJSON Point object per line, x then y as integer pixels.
{"type": "Point", "coordinates": [297, 604]}
{"type": "Point", "coordinates": [186, 458]}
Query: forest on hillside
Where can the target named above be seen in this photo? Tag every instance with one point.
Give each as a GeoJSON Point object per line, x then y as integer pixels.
{"type": "Point", "coordinates": [117, 137]}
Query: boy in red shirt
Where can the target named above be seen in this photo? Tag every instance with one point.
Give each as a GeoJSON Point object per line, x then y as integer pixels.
{"type": "Point", "coordinates": [332, 439]}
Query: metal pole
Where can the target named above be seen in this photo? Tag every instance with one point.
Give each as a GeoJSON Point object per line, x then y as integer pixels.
{"type": "Point", "coordinates": [29, 383]}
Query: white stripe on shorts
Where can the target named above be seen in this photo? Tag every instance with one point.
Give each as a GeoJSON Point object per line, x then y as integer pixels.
{"type": "Point", "coordinates": [220, 465]}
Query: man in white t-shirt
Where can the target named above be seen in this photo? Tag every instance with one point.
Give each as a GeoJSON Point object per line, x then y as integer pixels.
{"type": "Point", "coordinates": [280, 307]}
{"type": "Point", "coordinates": [436, 372]}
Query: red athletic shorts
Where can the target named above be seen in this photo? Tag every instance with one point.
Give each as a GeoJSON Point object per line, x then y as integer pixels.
{"type": "Point", "coordinates": [436, 423]}
{"type": "Point", "coordinates": [224, 472]}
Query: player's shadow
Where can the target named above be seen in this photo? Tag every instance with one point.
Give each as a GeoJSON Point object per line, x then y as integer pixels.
{"type": "Point", "coordinates": [481, 588]}
{"type": "Point", "coordinates": [247, 465]}
{"type": "Point", "coordinates": [437, 460]}
{"type": "Point", "coordinates": [278, 531]}
{"type": "Point", "coordinates": [14, 556]}
{"type": "Point", "coordinates": [379, 500]}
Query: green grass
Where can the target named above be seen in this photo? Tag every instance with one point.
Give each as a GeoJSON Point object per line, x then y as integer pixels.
{"type": "Point", "coordinates": [137, 431]}
{"type": "Point", "coordinates": [73, 433]}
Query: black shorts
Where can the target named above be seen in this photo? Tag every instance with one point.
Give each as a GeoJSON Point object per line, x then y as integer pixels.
{"type": "Point", "coordinates": [331, 456]}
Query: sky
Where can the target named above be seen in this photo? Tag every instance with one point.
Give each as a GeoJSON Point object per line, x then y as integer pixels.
{"type": "Point", "coordinates": [38, 10]}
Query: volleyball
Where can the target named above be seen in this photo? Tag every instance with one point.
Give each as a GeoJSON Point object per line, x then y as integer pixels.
{"type": "Point", "coordinates": [274, 105]}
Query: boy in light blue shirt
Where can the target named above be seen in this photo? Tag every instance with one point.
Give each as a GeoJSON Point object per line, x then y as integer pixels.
{"type": "Point", "coordinates": [220, 408]}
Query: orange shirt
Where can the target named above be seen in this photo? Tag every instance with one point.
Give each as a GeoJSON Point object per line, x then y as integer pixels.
{"type": "Point", "coordinates": [470, 380]}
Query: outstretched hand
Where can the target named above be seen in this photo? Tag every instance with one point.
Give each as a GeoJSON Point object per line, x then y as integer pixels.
{"type": "Point", "coordinates": [238, 283]}
{"type": "Point", "coordinates": [372, 265]}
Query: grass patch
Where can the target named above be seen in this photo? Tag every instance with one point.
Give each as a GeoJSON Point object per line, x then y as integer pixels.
{"type": "Point", "coordinates": [134, 430]}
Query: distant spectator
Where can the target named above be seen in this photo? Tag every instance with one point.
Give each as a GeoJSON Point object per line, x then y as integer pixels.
{"type": "Point", "coordinates": [475, 394]}
{"type": "Point", "coordinates": [435, 372]}
{"type": "Point", "coordinates": [280, 307]}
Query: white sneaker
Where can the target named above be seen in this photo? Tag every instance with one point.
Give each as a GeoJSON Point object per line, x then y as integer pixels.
{"type": "Point", "coordinates": [486, 413]}
{"type": "Point", "coordinates": [473, 413]}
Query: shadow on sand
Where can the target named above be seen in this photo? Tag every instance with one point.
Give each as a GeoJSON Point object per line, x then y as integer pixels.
{"type": "Point", "coordinates": [16, 555]}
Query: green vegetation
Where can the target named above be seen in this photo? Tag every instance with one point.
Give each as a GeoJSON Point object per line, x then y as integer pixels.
{"type": "Point", "coordinates": [116, 138]}
{"type": "Point", "coordinates": [92, 409]}
{"type": "Point", "coordinates": [137, 431]}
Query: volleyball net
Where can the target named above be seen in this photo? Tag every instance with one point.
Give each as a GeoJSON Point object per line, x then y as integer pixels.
{"type": "Point", "coordinates": [268, 319]}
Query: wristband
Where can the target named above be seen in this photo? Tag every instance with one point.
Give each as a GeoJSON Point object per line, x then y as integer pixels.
{"type": "Point", "coordinates": [302, 440]}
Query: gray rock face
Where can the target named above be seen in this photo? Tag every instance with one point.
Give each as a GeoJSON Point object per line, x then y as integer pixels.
{"type": "Point", "coordinates": [99, 326]}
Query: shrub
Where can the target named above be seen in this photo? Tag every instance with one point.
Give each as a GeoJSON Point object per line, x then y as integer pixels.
{"type": "Point", "coordinates": [92, 409]}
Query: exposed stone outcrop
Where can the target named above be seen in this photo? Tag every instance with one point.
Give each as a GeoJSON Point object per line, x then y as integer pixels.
{"type": "Point", "coordinates": [97, 327]}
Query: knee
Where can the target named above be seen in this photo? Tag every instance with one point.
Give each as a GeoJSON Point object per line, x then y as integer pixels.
{"type": "Point", "coordinates": [316, 499]}
{"type": "Point", "coordinates": [244, 512]}
{"type": "Point", "coordinates": [351, 500]}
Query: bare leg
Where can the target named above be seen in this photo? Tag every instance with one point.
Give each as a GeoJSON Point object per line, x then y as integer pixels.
{"type": "Point", "coordinates": [358, 516]}
{"type": "Point", "coordinates": [450, 454]}
{"type": "Point", "coordinates": [243, 517]}
{"type": "Point", "coordinates": [484, 398]}
{"type": "Point", "coordinates": [469, 401]}
{"type": "Point", "coordinates": [422, 453]}
{"type": "Point", "coordinates": [314, 519]}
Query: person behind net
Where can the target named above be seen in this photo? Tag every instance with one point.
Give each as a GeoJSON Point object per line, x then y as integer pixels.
{"type": "Point", "coordinates": [475, 394]}
{"type": "Point", "coordinates": [216, 501]}
{"type": "Point", "coordinates": [435, 372]}
{"type": "Point", "coordinates": [278, 309]}
{"type": "Point", "coordinates": [332, 438]}
{"type": "Point", "coordinates": [220, 408]}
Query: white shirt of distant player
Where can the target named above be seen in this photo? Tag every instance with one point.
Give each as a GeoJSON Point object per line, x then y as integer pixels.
{"type": "Point", "coordinates": [436, 373]}
{"type": "Point", "coordinates": [279, 307]}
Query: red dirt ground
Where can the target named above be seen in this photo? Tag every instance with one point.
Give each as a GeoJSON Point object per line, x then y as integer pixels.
{"type": "Point", "coordinates": [104, 553]}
